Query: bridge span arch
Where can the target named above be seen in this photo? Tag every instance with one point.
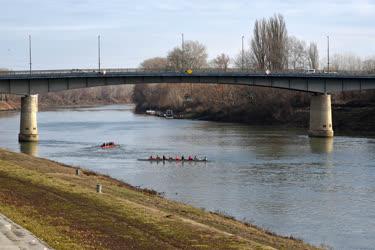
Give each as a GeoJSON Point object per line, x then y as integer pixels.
{"type": "Point", "coordinates": [23, 83]}
{"type": "Point", "coordinates": [29, 84]}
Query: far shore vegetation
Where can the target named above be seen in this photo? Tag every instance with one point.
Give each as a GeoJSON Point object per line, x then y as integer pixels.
{"type": "Point", "coordinates": [270, 48]}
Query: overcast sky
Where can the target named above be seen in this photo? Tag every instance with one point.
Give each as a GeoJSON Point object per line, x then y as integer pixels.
{"type": "Point", "coordinates": [64, 33]}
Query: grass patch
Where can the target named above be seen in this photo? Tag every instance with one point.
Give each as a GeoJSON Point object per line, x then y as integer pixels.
{"type": "Point", "coordinates": [65, 211]}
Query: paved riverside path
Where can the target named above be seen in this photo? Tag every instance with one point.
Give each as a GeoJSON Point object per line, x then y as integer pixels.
{"type": "Point", "coordinates": [14, 237]}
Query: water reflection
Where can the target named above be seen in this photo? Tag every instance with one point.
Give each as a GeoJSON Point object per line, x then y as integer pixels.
{"type": "Point", "coordinates": [30, 148]}
{"type": "Point", "coordinates": [7, 114]}
{"type": "Point", "coordinates": [276, 145]}
{"type": "Point", "coordinates": [321, 145]}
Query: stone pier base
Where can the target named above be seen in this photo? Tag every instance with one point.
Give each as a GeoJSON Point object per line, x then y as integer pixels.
{"type": "Point", "coordinates": [28, 124]}
{"type": "Point", "coordinates": [321, 116]}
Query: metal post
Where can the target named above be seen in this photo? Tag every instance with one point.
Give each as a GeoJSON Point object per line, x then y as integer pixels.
{"type": "Point", "coordinates": [242, 53]}
{"type": "Point", "coordinates": [328, 54]}
{"type": "Point", "coordinates": [99, 52]}
{"type": "Point", "coordinates": [183, 51]}
{"type": "Point", "coordinates": [30, 52]}
{"type": "Point", "coordinates": [98, 188]}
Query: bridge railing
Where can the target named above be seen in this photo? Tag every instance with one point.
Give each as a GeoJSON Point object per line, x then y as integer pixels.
{"type": "Point", "coordinates": [65, 72]}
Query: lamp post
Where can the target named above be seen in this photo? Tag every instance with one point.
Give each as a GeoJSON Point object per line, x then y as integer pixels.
{"type": "Point", "coordinates": [182, 51]}
{"type": "Point", "coordinates": [328, 54]}
{"type": "Point", "coordinates": [99, 52]}
{"type": "Point", "coordinates": [242, 57]}
{"type": "Point", "coordinates": [30, 53]}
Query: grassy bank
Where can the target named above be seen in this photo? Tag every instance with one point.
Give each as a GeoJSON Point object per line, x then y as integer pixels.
{"type": "Point", "coordinates": [65, 211]}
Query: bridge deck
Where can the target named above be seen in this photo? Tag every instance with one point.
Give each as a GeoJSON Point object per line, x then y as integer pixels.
{"type": "Point", "coordinates": [24, 82]}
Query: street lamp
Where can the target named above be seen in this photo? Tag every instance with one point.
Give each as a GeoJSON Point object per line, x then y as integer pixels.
{"type": "Point", "coordinates": [183, 51]}
{"type": "Point", "coordinates": [99, 53]}
{"type": "Point", "coordinates": [242, 58]}
{"type": "Point", "coordinates": [30, 53]}
{"type": "Point", "coordinates": [328, 54]}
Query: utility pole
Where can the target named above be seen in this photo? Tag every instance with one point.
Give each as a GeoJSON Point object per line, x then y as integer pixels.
{"type": "Point", "coordinates": [242, 58]}
{"type": "Point", "coordinates": [99, 52]}
{"type": "Point", "coordinates": [328, 54]}
{"type": "Point", "coordinates": [30, 53]}
{"type": "Point", "coordinates": [183, 51]}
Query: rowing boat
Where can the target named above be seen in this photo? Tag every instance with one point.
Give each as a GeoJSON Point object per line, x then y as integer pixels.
{"type": "Point", "coordinates": [105, 146]}
{"type": "Point", "coordinates": [172, 160]}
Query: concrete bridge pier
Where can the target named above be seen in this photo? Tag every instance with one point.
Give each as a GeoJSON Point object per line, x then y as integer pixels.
{"type": "Point", "coordinates": [28, 124]}
{"type": "Point", "coordinates": [320, 116]}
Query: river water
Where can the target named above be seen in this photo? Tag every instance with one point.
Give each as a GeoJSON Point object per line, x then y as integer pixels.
{"type": "Point", "coordinates": [319, 190]}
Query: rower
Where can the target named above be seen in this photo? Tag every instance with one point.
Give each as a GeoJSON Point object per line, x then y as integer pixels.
{"type": "Point", "coordinates": [195, 158]}
{"type": "Point", "coordinates": [182, 158]}
{"type": "Point", "coordinates": [190, 158]}
{"type": "Point", "coordinates": [164, 158]}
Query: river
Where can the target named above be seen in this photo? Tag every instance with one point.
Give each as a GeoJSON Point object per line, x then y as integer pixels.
{"type": "Point", "coordinates": [319, 190]}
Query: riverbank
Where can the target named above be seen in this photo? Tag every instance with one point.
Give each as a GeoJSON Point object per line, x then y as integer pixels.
{"type": "Point", "coordinates": [348, 120]}
{"type": "Point", "coordinates": [13, 106]}
{"type": "Point", "coordinates": [65, 211]}
{"type": "Point", "coordinates": [352, 111]}
{"type": "Point", "coordinates": [9, 105]}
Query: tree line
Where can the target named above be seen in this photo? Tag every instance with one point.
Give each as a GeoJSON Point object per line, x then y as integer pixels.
{"type": "Point", "coordinates": [86, 96]}
{"type": "Point", "coordinates": [270, 48]}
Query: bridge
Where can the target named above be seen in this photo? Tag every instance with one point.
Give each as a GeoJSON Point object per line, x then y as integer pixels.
{"type": "Point", "coordinates": [30, 83]}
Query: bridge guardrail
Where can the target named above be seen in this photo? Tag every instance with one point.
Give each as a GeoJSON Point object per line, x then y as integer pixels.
{"type": "Point", "coordinates": [80, 72]}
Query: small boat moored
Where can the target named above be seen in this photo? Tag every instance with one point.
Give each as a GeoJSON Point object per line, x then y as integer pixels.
{"type": "Point", "coordinates": [169, 114]}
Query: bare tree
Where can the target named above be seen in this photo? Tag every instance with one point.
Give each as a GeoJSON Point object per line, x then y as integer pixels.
{"type": "Point", "coordinates": [277, 39]}
{"type": "Point", "coordinates": [348, 62]}
{"type": "Point", "coordinates": [313, 56]}
{"type": "Point", "coordinates": [269, 43]}
{"type": "Point", "coordinates": [175, 58]}
{"type": "Point", "coordinates": [221, 62]}
{"type": "Point", "coordinates": [154, 63]}
{"type": "Point", "coordinates": [249, 60]}
{"type": "Point", "coordinates": [368, 65]}
{"type": "Point", "coordinates": [193, 56]}
{"type": "Point", "coordinates": [259, 44]}
{"type": "Point", "coordinates": [297, 55]}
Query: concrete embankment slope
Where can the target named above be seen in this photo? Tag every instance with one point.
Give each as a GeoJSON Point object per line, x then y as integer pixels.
{"type": "Point", "coordinates": [66, 212]}
{"type": "Point", "coordinates": [14, 237]}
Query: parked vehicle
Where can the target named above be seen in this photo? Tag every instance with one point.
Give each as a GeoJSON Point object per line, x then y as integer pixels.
{"type": "Point", "coordinates": [310, 71]}
{"type": "Point", "coordinates": [151, 112]}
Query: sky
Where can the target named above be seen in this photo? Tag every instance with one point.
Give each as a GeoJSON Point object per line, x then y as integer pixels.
{"type": "Point", "coordinates": [64, 32]}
